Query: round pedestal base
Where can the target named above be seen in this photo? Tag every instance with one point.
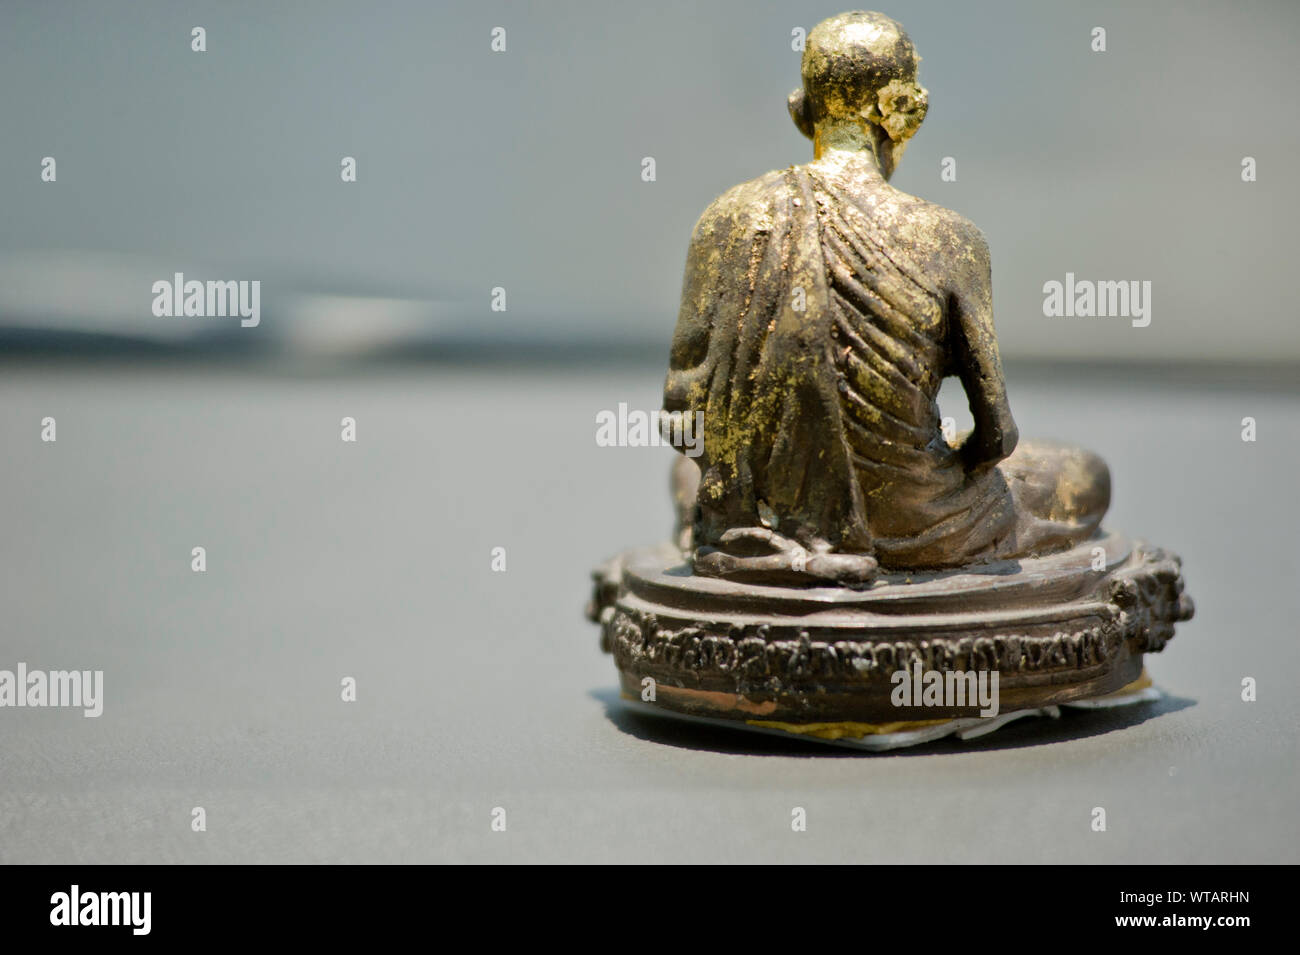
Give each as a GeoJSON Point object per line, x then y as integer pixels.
{"type": "Point", "coordinates": [980, 642]}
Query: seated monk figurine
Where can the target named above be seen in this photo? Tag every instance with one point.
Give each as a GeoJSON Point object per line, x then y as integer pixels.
{"type": "Point", "coordinates": [821, 310]}
{"type": "Point", "coordinates": [841, 572]}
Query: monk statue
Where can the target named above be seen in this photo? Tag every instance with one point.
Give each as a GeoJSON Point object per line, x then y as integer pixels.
{"type": "Point", "coordinates": [821, 310]}
{"type": "Point", "coordinates": [842, 571]}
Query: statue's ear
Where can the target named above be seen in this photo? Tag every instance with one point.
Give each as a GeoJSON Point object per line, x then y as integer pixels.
{"type": "Point", "coordinates": [798, 104]}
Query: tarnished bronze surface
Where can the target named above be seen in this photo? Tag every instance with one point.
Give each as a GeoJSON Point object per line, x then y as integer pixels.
{"type": "Point", "coordinates": [1055, 628]}
{"type": "Point", "coordinates": [821, 310]}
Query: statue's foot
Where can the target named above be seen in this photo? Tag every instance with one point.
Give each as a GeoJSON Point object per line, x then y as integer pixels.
{"type": "Point", "coordinates": [759, 555]}
{"type": "Point", "coordinates": [1061, 494]}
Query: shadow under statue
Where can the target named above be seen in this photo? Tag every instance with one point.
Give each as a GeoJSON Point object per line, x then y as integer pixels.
{"type": "Point", "coordinates": [834, 550]}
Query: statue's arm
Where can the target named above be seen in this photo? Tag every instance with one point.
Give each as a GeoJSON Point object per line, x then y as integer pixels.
{"type": "Point", "coordinates": [690, 342]}
{"type": "Point", "coordinates": [716, 271]}
{"type": "Point", "coordinates": [975, 353]}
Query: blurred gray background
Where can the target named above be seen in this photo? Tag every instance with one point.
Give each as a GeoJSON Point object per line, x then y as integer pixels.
{"type": "Point", "coordinates": [476, 428]}
{"type": "Point", "coordinates": [522, 169]}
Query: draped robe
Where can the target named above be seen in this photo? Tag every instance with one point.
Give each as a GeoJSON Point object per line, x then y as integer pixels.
{"type": "Point", "coordinates": [815, 350]}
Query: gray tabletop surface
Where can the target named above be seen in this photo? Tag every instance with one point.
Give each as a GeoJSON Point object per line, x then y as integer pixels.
{"type": "Point", "coordinates": [479, 689]}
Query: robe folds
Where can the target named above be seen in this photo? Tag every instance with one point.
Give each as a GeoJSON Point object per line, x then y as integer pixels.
{"type": "Point", "coordinates": [753, 352]}
{"type": "Point", "coordinates": [815, 348]}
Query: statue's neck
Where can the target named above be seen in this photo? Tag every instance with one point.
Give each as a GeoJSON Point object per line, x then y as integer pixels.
{"type": "Point", "coordinates": [848, 145]}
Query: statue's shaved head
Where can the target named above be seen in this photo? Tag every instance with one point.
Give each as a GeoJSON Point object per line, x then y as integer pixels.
{"type": "Point", "coordinates": [860, 65]}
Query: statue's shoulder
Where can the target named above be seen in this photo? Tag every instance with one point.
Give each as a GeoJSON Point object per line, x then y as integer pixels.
{"type": "Point", "coordinates": [954, 231]}
{"type": "Point", "coordinates": [964, 232]}
{"type": "Point", "coordinates": [951, 243]}
{"type": "Point", "coordinates": [966, 249]}
{"type": "Point", "coordinates": [748, 207]}
{"type": "Point", "coordinates": [944, 222]}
